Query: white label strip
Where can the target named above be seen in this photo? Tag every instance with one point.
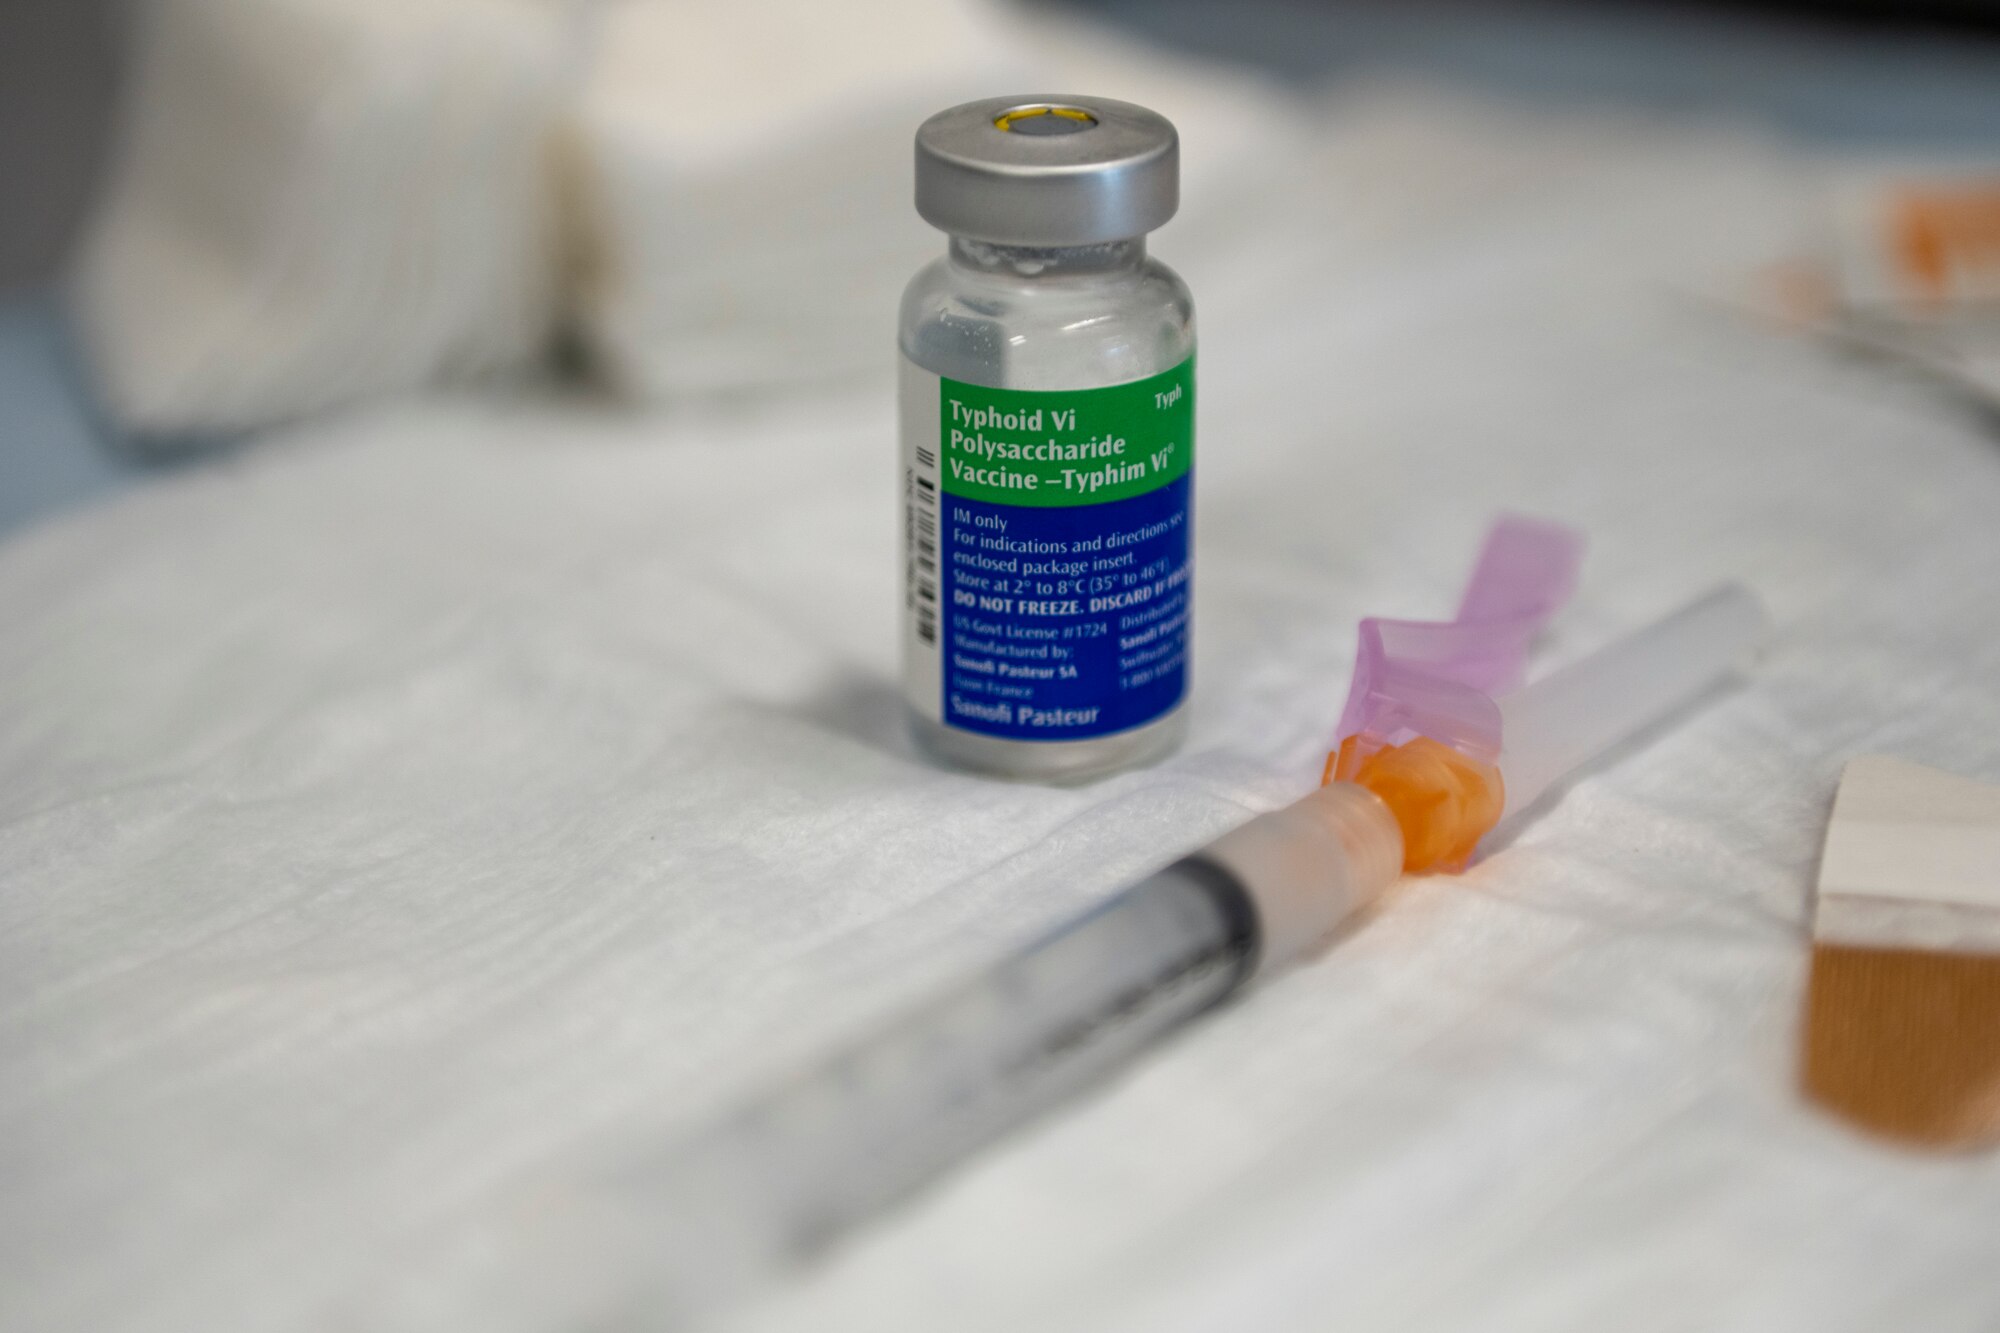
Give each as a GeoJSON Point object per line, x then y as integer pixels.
{"type": "Point", "coordinates": [1912, 859]}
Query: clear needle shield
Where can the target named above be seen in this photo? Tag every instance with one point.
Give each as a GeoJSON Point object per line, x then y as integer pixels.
{"type": "Point", "coordinates": [1439, 726]}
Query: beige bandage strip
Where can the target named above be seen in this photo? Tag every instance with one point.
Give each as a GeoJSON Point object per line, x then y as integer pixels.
{"type": "Point", "coordinates": [1902, 1015]}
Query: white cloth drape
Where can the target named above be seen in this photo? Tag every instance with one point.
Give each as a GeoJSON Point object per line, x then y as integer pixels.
{"type": "Point", "coordinates": [384, 815]}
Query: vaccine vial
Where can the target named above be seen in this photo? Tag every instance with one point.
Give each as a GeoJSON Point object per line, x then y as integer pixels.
{"type": "Point", "coordinates": [1047, 420]}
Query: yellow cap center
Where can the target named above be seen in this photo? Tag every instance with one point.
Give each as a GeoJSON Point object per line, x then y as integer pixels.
{"type": "Point", "coordinates": [1044, 120]}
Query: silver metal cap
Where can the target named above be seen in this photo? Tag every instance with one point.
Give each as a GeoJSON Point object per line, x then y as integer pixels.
{"type": "Point", "coordinates": [1048, 170]}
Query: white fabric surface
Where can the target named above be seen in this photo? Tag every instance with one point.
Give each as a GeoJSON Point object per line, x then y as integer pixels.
{"type": "Point", "coordinates": [389, 812]}
{"type": "Point", "coordinates": [698, 136]}
{"type": "Point", "coordinates": [318, 201]}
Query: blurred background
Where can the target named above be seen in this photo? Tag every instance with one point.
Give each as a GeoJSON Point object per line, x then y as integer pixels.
{"type": "Point", "coordinates": [59, 63]}
{"type": "Point", "coordinates": [500, 740]}
{"type": "Point", "coordinates": [157, 301]}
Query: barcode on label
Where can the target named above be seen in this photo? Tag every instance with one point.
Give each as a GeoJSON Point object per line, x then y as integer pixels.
{"type": "Point", "coordinates": [922, 528]}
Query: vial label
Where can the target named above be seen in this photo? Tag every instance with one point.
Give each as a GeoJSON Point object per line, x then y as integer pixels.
{"type": "Point", "coordinates": [1046, 553]}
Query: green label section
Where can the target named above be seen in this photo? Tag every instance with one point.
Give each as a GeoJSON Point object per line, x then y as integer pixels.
{"type": "Point", "coordinates": [1051, 448]}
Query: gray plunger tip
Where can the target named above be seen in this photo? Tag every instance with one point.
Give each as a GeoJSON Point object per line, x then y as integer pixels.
{"type": "Point", "coordinates": [1047, 170]}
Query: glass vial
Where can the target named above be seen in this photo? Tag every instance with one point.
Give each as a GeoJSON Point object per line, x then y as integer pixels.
{"type": "Point", "coordinates": [1047, 416]}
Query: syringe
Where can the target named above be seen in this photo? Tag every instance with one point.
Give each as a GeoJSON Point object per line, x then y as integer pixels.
{"type": "Point", "coordinates": [774, 1182]}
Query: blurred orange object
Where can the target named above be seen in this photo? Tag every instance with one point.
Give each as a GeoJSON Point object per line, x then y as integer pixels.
{"type": "Point", "coordinates": [1901, 1032]}
{"type": "Point", "coordinates": [1905, 1043]}
{"type": "Point", "coordinates": [1945, 239]}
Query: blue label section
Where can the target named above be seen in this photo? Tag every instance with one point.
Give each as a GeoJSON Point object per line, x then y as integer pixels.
{"type": "Point", "coordinates": [1065, 623]}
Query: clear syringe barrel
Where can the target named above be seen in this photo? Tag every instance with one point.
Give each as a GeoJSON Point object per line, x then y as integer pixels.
{"type": "Point", "coordinates": [713, 1216]}
{"type": "Point", "coordinates": [1557, 725]}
